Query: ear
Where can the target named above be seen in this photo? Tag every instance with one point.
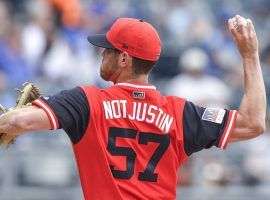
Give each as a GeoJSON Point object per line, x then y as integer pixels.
{"type": "Point", "coordinates": [124, 59]}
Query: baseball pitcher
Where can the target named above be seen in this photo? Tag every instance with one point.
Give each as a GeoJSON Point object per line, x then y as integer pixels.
{"type": "Point", "coordinates": [128, 139]}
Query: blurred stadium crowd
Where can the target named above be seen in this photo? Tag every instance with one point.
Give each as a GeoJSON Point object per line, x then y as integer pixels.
{"type": "Point", "coordinates": [44, 41]}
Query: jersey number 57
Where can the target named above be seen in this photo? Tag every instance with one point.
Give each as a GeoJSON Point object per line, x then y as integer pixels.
{"type": "Point", "coordinates": [148, 174]}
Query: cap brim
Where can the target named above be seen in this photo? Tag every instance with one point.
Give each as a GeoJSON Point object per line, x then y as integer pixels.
{"type": "Point", "coordinates": [100, 40]}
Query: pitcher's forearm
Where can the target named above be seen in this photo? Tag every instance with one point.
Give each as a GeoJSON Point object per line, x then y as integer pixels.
{"type": "Point", "coordinates": [250, 121]}
{"type": "Point", "coordinates": [19, 121]}
{"type": "Point", "coordinates": [254, 100]}
{"type": "Point", "coordinates": [253, 74]}
{"type": "Point", "coordinates": [9, 123]}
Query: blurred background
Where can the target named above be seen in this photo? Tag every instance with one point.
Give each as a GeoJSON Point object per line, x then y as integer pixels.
{"type": "Point", "coordinates": [44, 41]}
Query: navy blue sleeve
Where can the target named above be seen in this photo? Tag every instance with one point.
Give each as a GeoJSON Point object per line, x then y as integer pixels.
{"type": "Point", "coordinates": [71, 109]}
{"type": "Point", "coordinates": [206, 127]}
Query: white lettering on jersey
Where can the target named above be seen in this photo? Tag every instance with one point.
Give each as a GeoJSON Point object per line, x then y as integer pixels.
{"type": "Point", "coordinates": [134, 111]}
{"type": "Point", "coordinates": [160, 112]}
{"type": "Point", "coordinates": [150, 113]}
{"type": "Point", "coordinates": [124, 107]}
{"type": "Point", "coordinates": [142, 118]}
{"type": "Point", "coordinates": [161, 122]}
{"type": "Point", "coordinates": [116, 109]}
{"type": "Point", "coordinates": [107, 109]}
{"type": "Point", "coordinates": [167, 123]}
{"type": "Point", "coordinates": [141, 112]}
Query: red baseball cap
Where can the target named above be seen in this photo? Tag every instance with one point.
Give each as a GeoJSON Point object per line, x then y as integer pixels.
{"type": "Point", "coordinates": [136, 37]}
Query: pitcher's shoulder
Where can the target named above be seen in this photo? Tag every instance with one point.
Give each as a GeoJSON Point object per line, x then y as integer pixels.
{"type": "Point", "coordinates": [90, 89]}
{"type": "Point", "coordinates": [176, 99]}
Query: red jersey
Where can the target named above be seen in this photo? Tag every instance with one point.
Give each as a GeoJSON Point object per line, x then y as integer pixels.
{"type": "Point", "coordinates": [133, 143]}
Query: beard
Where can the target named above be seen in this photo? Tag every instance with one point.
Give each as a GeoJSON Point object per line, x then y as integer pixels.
{"type": "Point", "coordinates": [108, 72]}
{"type": "Point", "coordinates": [102, 71]}
{"type": "Point", "coordinates": [103, 75]}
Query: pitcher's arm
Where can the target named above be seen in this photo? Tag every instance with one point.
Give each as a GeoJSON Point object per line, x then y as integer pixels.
{"type": "Point", "coordinates": [19, 121]}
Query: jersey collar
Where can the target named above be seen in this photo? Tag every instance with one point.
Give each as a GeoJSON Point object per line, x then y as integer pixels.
{"type": "Point", "coordinates": [137, 85]}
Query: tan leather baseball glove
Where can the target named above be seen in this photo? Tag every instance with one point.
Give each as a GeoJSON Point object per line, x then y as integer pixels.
{"type": "Point", "coordinates": [25, 96]}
